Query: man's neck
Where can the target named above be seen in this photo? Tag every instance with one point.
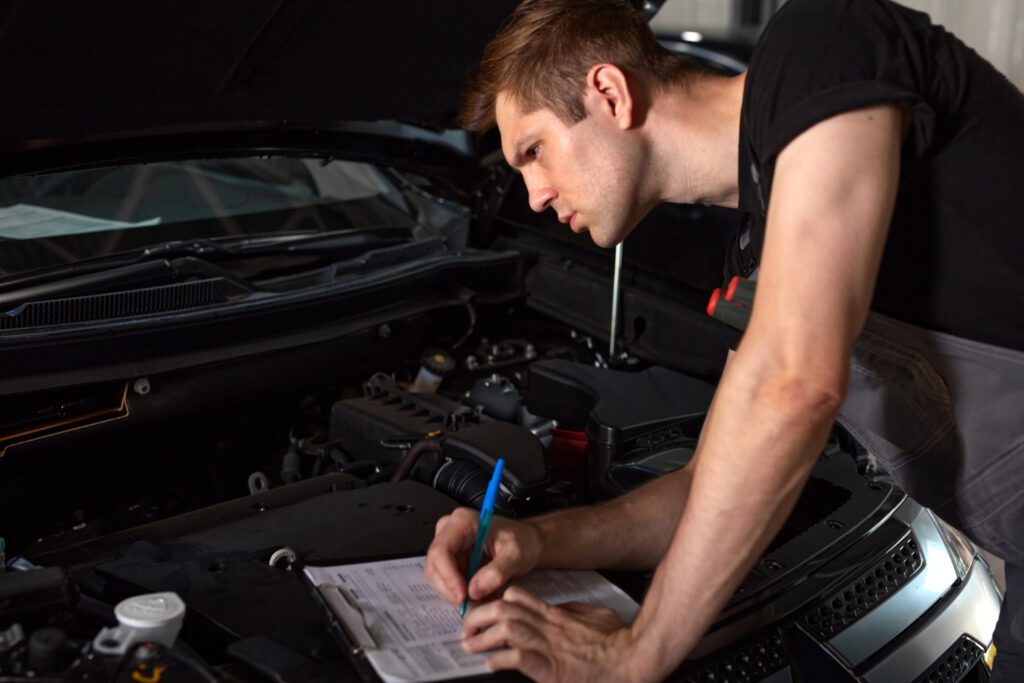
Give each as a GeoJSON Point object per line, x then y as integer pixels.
{"type": "Point", "coordinates": [694, 134]}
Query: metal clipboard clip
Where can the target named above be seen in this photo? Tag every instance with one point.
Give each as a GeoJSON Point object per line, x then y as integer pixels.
{"type": "Point", "coordinates": [351, 616]}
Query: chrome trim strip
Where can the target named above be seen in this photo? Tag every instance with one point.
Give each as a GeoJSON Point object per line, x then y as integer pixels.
{"type": "Point", "coordinates": [973, 611]}
{"type": "Point", "coordinates": [882, 624]}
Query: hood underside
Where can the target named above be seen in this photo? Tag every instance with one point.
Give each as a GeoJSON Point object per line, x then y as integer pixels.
{"type": "Point", "coordinates": [75, 70]}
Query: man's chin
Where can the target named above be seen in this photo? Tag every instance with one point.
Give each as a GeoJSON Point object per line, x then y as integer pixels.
{"type": "Point", "coordinates": [604, 240]}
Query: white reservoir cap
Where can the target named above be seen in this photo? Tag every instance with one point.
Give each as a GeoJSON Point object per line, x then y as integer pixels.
{"type": "Point", "coordinates": [150, 611]}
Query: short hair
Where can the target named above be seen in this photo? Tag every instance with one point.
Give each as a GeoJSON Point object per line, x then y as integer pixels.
{"type": "Point", "coordinates": [542, 54]}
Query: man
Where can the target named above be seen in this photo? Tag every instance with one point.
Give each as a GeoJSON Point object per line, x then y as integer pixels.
{"type": "Point", "coordinates": [876, 161]}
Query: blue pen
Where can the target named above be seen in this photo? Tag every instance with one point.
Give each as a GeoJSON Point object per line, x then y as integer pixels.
{"type": "Point", "coordinates": [486, 511]}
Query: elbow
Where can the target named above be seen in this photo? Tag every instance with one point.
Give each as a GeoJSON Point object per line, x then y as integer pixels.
{"type": "Point", "coordinates": [808, 399]}
{"type": "Point", "coordinates": [802, 381]}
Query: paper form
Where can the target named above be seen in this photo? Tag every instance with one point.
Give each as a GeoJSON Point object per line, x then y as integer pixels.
{"type": "Point", "coordinates": [410, 633]}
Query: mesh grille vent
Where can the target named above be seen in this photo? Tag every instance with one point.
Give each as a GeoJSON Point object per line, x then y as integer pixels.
{"type": "Point", "coordinates": [751, 663]}
{"type": "Point", "coordinates": [177, 297]}
{"type": "Point", "coordinates": [866, 592]}
{"type": "Point", "coordinates": [955, 664]}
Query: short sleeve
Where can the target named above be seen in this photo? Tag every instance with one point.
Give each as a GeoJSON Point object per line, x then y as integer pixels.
{"type": "Point", "coordinates": [820, 58]}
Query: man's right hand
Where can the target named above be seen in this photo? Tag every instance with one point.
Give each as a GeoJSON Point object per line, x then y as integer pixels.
{"type": "Point", "coordinates": [513, 549]}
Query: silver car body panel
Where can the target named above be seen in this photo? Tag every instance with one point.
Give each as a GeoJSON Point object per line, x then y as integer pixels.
{"type": "Point", "coordinates": [910, 603]}
{"type": "Point", "coordinates": [973, 611]}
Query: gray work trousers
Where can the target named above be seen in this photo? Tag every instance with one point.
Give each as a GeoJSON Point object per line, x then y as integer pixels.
{"type": "Point", "coordinates": [945, 417]}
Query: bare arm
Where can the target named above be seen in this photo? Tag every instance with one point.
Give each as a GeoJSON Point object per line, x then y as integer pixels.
{"type": "Point", "coordinates": [831, 204]}
{"type": "Point", "coordinates": [630, 532]}
{"type": "Point", "coordinates": [638, 525]}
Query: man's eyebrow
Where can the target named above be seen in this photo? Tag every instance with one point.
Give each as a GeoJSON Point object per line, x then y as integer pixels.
{"type": "Point", "coordinates": [517, 156]}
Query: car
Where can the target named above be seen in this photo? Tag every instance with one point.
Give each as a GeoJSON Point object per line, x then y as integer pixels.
{"type": "Point", "coordinates": [262, 306]}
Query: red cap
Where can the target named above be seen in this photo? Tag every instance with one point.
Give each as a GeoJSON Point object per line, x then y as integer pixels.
{"type": "Point", "coordinates": [713, 301]}
{"type": "Point", "coordinates": [730, 292]}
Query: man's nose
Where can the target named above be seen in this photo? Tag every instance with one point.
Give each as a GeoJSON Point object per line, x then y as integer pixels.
{"type": "Point", "coordinates": [541, 193]}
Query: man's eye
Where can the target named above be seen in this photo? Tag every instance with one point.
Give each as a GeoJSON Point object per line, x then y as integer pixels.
{"type": "Point", "coordinates": [532, 151]}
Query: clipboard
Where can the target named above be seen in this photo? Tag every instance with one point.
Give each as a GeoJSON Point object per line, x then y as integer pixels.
{"type": "Point", "coordinates": [334, 602]}
{"type": "Point", "coordinates": [395, 627]}
{"type": "Point", "coordinates": [354, 651]}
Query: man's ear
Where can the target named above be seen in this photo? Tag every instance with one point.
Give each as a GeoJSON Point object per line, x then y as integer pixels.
{"type": "Point", "coordinates": [608, 90]}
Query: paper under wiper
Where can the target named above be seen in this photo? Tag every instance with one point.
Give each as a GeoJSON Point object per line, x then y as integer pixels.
{"type": "Point", "coordinates": [29, 222]}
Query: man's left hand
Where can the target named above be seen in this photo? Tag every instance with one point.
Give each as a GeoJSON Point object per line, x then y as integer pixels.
{"type": "Point", "coordinates": [552, 644]}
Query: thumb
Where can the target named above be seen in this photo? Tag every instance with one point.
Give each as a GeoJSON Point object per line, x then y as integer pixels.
{"type": "Point", "coordinates": [495, 574]}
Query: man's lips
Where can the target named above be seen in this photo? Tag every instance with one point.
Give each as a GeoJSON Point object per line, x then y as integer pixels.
{"type": "Point", "coordinates": [570, 219]}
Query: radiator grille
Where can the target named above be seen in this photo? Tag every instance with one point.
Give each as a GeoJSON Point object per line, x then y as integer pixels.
{"type": "Point", "coordinates": [749, 663]}
{"type": "Point", "coordinates": [955, 664]}
{"type": "Point", "coordinates": [96, 307]}
{"type": "Point", "coordinates": [865, 592]}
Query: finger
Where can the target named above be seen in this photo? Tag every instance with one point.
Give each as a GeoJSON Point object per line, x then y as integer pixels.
{"type": "Point", "coordinates": [506, 633]}
{"type": "Point", "coordinates": [579, 609]}
{"type": "Point", "coordinates": [444, 554]}
{"type": "Point", "coordinates": [582, 609]}
{"type": "Point", "coordinates": [442, 573]}
{"type": "Point", "coordinates": [488, 580]}
{"type": "Point", "coordinates": [532, 664]}
{"type": "Point", "coordinates": [527, 600]}
{"type": "Point", "coordinates": [485, 616]}
{"type": "Point", "coordinates": [506, 563]}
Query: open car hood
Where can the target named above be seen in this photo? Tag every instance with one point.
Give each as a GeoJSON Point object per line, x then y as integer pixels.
{"type": "Point", "coordinates": [76, 71]}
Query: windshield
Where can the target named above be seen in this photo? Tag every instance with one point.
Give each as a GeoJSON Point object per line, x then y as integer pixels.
{"type": "Point", "coordinates": [68, 216]}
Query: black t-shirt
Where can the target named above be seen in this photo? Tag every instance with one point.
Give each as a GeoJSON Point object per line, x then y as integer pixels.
{"type": "Point", "coordinates": [953, 260]}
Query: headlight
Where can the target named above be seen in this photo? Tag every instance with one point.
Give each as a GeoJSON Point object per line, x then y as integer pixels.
{"type": "Point", "coordinates": [961, 549]}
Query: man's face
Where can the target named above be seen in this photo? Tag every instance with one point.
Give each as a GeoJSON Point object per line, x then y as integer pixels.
{"type": "Point", "coordinates": [588, 173]}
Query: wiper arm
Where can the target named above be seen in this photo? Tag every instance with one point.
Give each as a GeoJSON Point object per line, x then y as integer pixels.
{"type": "Point", "coordinates": [179, 260]}
{"type": "Point", "coordinates": [138, 265]}
{"type": "Point", "coordinates": [340, 244]}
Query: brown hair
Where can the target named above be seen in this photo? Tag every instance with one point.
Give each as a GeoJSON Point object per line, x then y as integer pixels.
{"type": "Point", "coordinates": [542, 54]}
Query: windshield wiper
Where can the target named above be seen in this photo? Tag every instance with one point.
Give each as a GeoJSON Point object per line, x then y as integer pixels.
{"type": "Point", "coordinates": [179, 260]}
{"type": "Point", "coordinates": [341, 244]}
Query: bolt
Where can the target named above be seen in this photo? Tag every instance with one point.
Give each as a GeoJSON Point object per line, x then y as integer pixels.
{"type": "Point", "coordinates": [141, 386]}
{"type": "Point", "coordinates": [384, 331]}
{"type": "Point", "coordinates": [145, 652]}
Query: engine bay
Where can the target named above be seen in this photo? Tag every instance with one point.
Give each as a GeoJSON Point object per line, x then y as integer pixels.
{"type": "Point", "coordinates": [213, 483]}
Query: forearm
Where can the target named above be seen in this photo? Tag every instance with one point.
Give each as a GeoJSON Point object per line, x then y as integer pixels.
{"type": "Point", "coordinates": [762, 438]}
{"type": "Point", "coordinates": [640, 523]}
